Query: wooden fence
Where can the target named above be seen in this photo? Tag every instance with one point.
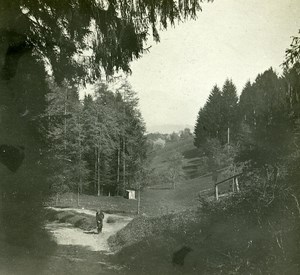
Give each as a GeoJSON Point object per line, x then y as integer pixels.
{"type": "Point", "coordinates": [235, 185]}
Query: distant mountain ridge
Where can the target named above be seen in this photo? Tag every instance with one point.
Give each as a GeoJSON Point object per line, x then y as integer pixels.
{"type": "Point", "coordinates": [168, 128]}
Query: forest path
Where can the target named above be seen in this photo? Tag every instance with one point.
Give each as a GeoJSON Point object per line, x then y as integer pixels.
{"type": "Point", "coordinates": [66, 234]}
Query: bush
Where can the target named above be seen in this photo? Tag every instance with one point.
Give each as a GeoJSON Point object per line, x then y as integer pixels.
{"type": "Point", "coordinates": [79, 220]}
{"type": "Point", "coordinates": [144, 227]}
{"type": "Point", "coordinates": [255, 230]}
{"type": "Point", "coordinates": [111, 219]}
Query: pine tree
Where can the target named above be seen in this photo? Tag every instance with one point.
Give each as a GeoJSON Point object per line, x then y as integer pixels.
{"type": "Point", "coordinates": [229, 111]}
{"type": "Point", "coordinates": [78, 172]}
{"type": "Point", "coordinates": [215, 114]}
{"type": "Point", "coordinates": [247, 104]}
{"type": "Point", "coordinates": [62, 112]}
{"type": "Point", "coordinates": [213, 109]}
{"type": "Point", "coordinates": [91, 154]}
{"type": "Point", "coordinates": [201, 130]}
{"type": "Point", "coordinates": [116, 137]}
{"type": "Point", "coordinates": [105, 135]}
{"type": "Point", "coordinates": [268, 135]}
{"type": "Point", "coordinates": [132, 131]}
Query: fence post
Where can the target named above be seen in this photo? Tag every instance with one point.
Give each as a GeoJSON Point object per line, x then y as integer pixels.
{"type": "Point", "coordinates": [217, 192]}
{"type": "Point", "coordinates": [237, 184]}
{"type": "Point", "coordinates": [139, 201]}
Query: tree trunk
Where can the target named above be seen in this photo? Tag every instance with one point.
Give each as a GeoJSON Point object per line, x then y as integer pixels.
{"type": "Point", "coordinates": [228, 136]}
{"type": "Point", "coordinates": [78, 195]}
{"type": "Point", "coordinates": [118, 168]}
{"type": "Point", "coordinates": [124, 153]}
{"type": "Point", "coordinates": [173, 178]}
{"type": "Point", "coordinates": [98, 173]}
{"type": "Point", "coordinates": [124, 167]}
{"type": "Point", "coordinates": [65, 125]}
{"type": "Point", "coordinates": [228, 139]}
{"type": "Point", "coordinates": [57, 199]}
{"type": "Point", "coordinates": [80, 178]}
{"type": "Point", "coordinates": [95, 170]}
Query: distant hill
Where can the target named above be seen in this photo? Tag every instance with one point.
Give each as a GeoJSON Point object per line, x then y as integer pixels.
{"type": "Point", "coordinates": [192, 164]}
{"type": "Point", "coordinates": [168, 128]}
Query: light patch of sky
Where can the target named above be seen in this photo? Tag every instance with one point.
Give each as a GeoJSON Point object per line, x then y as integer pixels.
{"type": "Point", "coordinates": [231, 38]}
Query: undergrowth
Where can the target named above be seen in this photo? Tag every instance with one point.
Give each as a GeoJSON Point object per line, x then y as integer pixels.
{"type": "Point", "coordinates": [252, 232]}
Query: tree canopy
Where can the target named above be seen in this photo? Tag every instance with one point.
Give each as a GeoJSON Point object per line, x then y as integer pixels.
{"type": "Point", "coordinates": [292, 54]}
{"type": "Point", "coordinates": [79, 39]}
{"type": "Point", "coordinates": [97, 147]}
{"type": "Point", "coordinates": [218, 114]}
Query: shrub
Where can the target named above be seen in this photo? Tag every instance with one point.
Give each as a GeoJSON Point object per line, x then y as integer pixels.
{"type": "Point", "coordinates": [256, 231]}
{"type": "Point", "coordinates": [111, 219]}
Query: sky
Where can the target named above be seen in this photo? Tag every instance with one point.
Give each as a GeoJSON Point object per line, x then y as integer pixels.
{"type": "Point", "coordinates": [234, 39]}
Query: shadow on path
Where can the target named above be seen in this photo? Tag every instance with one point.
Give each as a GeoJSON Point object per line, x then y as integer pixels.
{"type": "Point", "coordinates": [90, 232]}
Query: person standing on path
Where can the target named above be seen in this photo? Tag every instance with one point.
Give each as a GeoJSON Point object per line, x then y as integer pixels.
{"type": "Point", "coordinates": [99, 220]}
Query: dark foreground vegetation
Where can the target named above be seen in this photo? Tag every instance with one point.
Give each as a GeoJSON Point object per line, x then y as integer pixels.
{"type": "Point", "coordinates": [229, 237]}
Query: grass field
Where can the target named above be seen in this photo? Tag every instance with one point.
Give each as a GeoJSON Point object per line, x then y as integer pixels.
{"type": "Point", "coordinates": [154, 202]}
{"type": "Point", "coordinates": [107, 204]}
{"type": "Point", "coordinates": [191, 164]}
{"type": "Point", "coordinates": [157, 199]}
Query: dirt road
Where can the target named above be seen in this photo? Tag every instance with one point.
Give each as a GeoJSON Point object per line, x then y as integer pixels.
{"type": "Point", "coordinates": [66, 234]}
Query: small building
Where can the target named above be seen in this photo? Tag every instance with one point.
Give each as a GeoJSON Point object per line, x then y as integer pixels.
{"type": "Point", "coordinates": [130, 194]}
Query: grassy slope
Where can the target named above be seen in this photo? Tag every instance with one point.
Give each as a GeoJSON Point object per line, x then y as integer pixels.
{"type": "Point", "coordinates": [107, 204]}
{"type": "Point", "coordinates": [159, 200]}
{"type": "Point", "coordinates": [154, 201]}
{"type": "Point", "coordinates": [159, 158]}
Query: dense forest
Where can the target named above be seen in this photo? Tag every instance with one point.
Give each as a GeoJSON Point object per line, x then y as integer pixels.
{"type": "Point", "coordinates": [258, 130]}
{"type": "Point", "coordinates": [96, 145]}
{"type": "Point", "coordinates": [256, 134]}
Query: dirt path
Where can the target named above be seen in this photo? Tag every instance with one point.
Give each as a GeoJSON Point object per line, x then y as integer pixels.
{"type": "Point", "coordinates": [66, 234]}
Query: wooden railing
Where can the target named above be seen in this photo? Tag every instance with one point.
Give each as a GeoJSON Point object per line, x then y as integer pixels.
{"type": "Point", "coordinates": [235, 185]}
